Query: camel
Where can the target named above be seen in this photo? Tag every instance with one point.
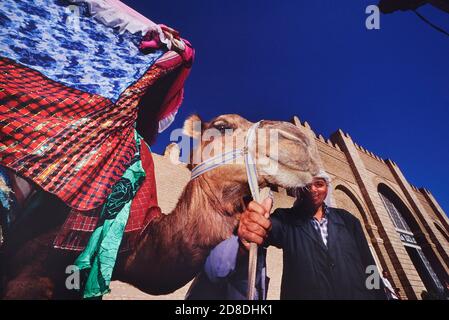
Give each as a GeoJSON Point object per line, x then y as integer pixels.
{"type": "Point", "coordinates": [173, 248]}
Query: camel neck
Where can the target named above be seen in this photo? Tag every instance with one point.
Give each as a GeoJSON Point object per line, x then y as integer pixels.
{"type": "Point", "coordinates": [173, 249]}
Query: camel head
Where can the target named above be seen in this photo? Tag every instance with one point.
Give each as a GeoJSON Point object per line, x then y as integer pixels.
{"type": "Point", "coordinates": [208, 209]}
{"type": "Point", "coordinates": [283, 154]}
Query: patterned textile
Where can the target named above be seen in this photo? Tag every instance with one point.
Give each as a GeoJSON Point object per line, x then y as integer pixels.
{"type": "Point", "coordinates": [72, 48]}
{"type": "Point", "coordinates": [69, 100]}
{"type": "Point", "coordinates": [79, 225]}
{"type": "Point", "coordinates": [115, 14]}
{"type": "Point", "coordinates": [98, 259]}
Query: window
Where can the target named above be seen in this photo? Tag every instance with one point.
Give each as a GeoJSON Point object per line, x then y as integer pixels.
{"type": "Point", "coordinates": [395, 216]}
{"type": "Point", "coordinates": [430, 270]}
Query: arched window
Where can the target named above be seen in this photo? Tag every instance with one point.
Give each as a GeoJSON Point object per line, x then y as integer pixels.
{"type": "Point", "coordinates": [406, 226]}
{"type": "Point", "coordinates": [395, 216]}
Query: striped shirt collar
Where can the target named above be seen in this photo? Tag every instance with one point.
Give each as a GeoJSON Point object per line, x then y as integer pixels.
{"type": "Point", "coordinates": [321, 226]}
{"type": "Point", "coordinates": [325, 213]}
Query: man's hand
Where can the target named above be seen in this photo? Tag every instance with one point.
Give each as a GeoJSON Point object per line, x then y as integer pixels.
{"type": "Point", "coordinates": [254, 222]}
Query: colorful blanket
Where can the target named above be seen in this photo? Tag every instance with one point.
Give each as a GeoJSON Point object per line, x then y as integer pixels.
{"type": "Point", "coordinates": [78, 227]}
{"type": "Point", "coordinates": [74, 77]}
{"type": "Point", "coordinates": [71, 87]}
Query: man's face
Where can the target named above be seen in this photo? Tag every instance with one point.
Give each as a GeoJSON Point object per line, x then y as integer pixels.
{"type": "Point", "coordinates": [317, 191]}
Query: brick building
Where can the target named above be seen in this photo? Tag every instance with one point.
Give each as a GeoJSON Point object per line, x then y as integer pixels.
{"type": "Point", "coordinates": [407, 229]}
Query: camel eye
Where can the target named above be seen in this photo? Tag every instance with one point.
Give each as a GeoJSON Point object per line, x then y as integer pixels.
{"type": "Point", "coordinates": [222, 126]}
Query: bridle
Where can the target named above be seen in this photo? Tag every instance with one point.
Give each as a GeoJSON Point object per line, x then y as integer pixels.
{"type": "Point", "coordinates": [251, 173]}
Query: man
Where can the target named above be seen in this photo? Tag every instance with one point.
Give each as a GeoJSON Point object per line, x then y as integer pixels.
{"type": "Point", "coordinates": [389, 290]}
{"type": "Point", "coordinates": [326, 254]}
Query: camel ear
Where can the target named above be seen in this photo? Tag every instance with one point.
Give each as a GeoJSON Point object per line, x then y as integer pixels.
{"type": "Point", "coordinates": [192, 126]}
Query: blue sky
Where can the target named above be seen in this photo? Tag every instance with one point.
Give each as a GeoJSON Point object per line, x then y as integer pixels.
{"type": "Point", "coordinates": [388, 88]}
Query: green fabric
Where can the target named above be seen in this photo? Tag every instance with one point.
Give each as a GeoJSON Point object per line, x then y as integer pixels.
{"type": "Point", "coordinates": [98, 258]}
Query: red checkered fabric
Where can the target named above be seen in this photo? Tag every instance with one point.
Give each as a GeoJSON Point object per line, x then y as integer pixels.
{"type": "Point", "coordinates": [72, 144]}
{"type": "Point", "coordinates": [77, 229]}
{"type": "Point", "coordinates": [77, 145]}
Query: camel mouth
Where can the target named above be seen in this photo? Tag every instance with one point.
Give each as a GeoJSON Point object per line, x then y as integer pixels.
{"type": "Point", "coordinates": [289, 179]}
{"type": "Point", "coordinates": [290, 160]}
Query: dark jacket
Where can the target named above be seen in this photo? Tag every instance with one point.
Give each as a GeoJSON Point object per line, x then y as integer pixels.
{"type": "Point", "coordinates": [314, 271]}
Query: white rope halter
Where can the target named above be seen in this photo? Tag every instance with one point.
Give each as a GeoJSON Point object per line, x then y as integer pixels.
{"type": "Point", "coordinates": [251, 173]}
